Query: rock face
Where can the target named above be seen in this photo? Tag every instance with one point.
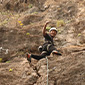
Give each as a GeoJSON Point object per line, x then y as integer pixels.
{"type": "Point", "coordinates": [63, 70]}
{"type": "Point", "coordinates": [67, 69]}
{"type": "Point", "coordinates": [21, 32]}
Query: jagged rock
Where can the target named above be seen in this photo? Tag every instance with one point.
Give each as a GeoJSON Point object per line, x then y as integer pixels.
{"type": "Point", "coordinates": [64, 69]}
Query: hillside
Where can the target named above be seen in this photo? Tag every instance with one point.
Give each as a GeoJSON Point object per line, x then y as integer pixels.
{"type": "Point", "coordinates": [21, 26]}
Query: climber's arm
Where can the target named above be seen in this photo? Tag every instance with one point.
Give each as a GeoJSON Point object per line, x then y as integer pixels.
{"type": "Point", "coordinates": [44, 29]}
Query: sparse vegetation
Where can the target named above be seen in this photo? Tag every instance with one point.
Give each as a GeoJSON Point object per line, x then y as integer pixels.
{"type": "Point", "coordinates": [30, 5]}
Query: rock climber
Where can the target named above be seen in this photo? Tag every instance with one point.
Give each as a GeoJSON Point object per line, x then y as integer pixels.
{"type": "Point", "coordinates": [48, 47]}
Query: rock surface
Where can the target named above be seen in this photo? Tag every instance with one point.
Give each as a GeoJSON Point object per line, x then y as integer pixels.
{"type": "Point", "coordinates": [21, 32]}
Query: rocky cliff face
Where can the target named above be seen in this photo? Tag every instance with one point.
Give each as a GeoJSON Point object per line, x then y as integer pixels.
{"type": "Point", "coordinates": [21, 31]}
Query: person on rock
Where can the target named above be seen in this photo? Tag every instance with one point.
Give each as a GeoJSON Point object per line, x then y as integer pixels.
{"type": "Point", "coordinates": [48, 47]}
